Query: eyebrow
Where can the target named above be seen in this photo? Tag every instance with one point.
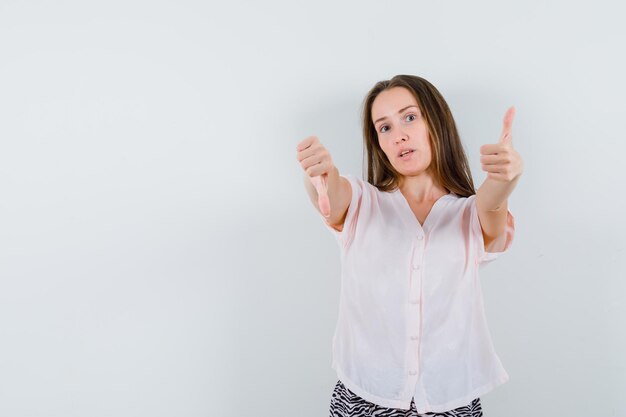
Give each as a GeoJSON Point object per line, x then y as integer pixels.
{"type": "Point", "coordinates": [399, 111]}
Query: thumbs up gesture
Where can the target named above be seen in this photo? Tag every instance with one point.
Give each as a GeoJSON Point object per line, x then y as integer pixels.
{"type": "Point", "coordinates": [500, 160]}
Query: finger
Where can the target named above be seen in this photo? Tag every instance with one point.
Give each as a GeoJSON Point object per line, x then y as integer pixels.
{"type": "Point", "coordinates": [507, 124]}
{"type": "Point", "coordinates": [497, 176]}
{"type": "Point", "coordinates": [319, 182]}
{"type": "Point", "coordinates": [491, 159]}
{"type": "Point", "coordinates": [493, 168]}
{"type": "Point", "coordinates": [306, 153]}
{"type": "Point", "coordinates": [492, 149]}
{"type": "Point", "coordinates": [305, 143]}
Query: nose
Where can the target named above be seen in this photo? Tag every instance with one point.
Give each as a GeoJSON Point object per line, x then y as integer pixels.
{"type": "Point", "coordinates": [402, 137]}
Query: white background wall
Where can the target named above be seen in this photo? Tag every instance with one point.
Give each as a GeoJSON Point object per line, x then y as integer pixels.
{"type": "Point", "coordinates": [159, 255]}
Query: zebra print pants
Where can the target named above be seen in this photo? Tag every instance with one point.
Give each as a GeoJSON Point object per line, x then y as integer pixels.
{"type": "Point", "coordinates": [345, 403]}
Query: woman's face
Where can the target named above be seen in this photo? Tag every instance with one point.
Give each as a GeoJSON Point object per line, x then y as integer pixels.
{"type": "Point", "coordinates": [402, 127]}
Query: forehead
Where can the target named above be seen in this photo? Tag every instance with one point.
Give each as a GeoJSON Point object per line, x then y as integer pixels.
{"type": "Point", "coordinates": [388, 102]}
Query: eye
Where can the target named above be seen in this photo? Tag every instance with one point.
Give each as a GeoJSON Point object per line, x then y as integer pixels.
{"type": "Point", "coordinates": [408, 115]}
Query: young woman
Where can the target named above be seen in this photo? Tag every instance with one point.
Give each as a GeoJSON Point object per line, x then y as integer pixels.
{"type": "Point", "coordinates": [411, 337]}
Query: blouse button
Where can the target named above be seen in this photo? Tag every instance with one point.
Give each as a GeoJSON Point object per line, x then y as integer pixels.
{"type": "Point", "coordinates": [415, 301]}
{"type": "Point", "coordinates": [413, 372]}
{"type": "Point", "coordinates": [416, 267]}
{"type": "Point", "coordinates": [420, 237]}
{"type": "Point", "coordinates": [414, 337]}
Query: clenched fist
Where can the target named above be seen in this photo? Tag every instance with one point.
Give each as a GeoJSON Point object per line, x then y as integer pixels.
{"type": "Point", "coordinates": [316, 162]}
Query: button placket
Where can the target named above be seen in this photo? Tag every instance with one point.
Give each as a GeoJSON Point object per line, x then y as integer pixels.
{"type": "Point", "coordinates": [415, 310]}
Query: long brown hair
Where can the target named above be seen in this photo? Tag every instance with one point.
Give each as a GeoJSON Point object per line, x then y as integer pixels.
{"type": "Point", "coordinates": [449, 167]}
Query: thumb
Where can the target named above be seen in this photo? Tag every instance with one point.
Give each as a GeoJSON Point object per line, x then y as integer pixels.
{"type": "Point", "coordinates": [506, 135]}
{"type": "Point", "coordinates": [319, 182]}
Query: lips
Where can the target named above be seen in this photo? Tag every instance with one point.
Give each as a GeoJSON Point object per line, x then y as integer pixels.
{"type": "Point", "coordinates": [403, 150]}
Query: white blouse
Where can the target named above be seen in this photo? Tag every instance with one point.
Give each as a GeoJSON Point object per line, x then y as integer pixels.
{"type": "Point", "coordinates": [411, 320]}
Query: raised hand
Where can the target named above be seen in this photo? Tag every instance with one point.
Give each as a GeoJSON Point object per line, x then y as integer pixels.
{"type": "Point", "coordinates": [500, 160]}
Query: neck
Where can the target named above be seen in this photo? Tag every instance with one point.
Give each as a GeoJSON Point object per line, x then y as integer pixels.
{"type": "Point", "coordinates": [421, 189]}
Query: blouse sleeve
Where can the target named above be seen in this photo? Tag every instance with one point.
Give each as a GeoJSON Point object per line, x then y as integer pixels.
{"type": "Point", "coordinates": [503, 242]}
{"type": "Point", "coordinates": [345, 236]}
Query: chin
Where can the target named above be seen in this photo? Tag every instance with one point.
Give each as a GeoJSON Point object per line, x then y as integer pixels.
{"type": "Point", "coordinates": [411, 173]}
